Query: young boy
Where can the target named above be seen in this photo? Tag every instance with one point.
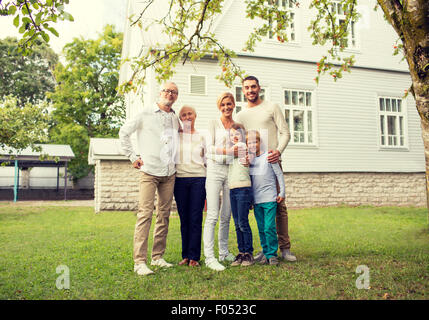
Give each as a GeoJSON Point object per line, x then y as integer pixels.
{"type": "Point", "coordinates": [263, 175]}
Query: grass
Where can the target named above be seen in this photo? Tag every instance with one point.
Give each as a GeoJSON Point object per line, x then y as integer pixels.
{"type": "Point", "coordinates": [329, 242]}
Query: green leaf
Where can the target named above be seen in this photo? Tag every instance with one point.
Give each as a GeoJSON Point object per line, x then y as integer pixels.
{"type": "Point", "coordinates": [53, 31]}
{"type": "Point", "coordinates": [16, 21]}
{"type": "Point", "coordinates": [68, 16]}
{"type": "Point", "coordinates": [45, 36]}
{"type": "Point", "coordinates": [12, 10]}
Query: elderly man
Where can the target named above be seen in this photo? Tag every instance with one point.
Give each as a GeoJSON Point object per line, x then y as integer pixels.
{"type": "Point", "coordinates": [157, 133]}
{"type": "Point", "coordinates": [267, 117]}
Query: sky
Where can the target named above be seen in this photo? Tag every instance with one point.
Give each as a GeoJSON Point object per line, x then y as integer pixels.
{"type": "Point", "coordinates": [89, 18]}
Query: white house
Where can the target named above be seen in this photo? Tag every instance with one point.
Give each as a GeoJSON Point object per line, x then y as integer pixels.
{"type": "Point", "coordinates": [356, 141]}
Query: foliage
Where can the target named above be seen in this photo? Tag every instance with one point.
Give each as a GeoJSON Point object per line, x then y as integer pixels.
{"type": "Point", "coordinates": [329, 242]}
{"type": "Point", "coordinates": [27, 78]}
{"type": "Point", "coordinates": [85, 100]}
{"type": "Point", "coordinates": [22, 125]}
{"type": "Point", "coordinates": [34, 19]}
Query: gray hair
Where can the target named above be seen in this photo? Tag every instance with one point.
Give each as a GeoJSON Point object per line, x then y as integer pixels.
{"type": "Point", "coordinates": [188, 106]}
{"type": "Point", "coordinates": [169, 82]}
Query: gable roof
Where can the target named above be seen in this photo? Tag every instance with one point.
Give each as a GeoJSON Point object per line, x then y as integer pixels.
{"type": "Point", "coordinates": [63, 152]}
{"type": "Point", "coordinates": [105, 149]}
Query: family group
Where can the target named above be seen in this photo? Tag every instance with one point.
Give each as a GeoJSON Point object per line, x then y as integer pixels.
{"type": "Point", "coordinates": [234, 166]}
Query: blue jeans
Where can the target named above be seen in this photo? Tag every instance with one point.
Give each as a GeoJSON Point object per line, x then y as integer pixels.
{"type": "Point", "coordinates": [240, 202]}
{"type": "Point", "coordinates": [190, 195]}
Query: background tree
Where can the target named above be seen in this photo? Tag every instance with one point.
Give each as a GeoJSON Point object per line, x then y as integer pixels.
{"type": "Point", "coordinates": [27, 78]}
{"type": "Point", "coordinates": [35, 19]}
{"type": "Point", "coordinates": [85, 100]}
{"type": "Point", "coordinates": [22, 125]}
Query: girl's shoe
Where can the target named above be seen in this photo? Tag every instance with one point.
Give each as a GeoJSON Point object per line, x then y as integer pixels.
{"type": "Point", "coordinates": [238, 260]}
{"type": "Point", "coordinates": [247, 260]}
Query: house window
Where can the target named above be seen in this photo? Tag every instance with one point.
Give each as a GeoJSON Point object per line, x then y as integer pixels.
{"type": "Point", "coordinates": [289, 6]}
{"type": "Point", "coordinates": [299, 115]}
{"type": "Point", "coordinates": [392, 122]}
{"type": "Point", "coordinates": [338, 9]}
{"type": "Point", "coordinates": [241, 100]}
{"type": "Point", "coordinates": [197, 84]}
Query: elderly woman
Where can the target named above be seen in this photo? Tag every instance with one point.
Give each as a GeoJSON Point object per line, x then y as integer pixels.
{"type": "Point", "coordinates": [189, 189]}
{"type": "Point", "coordinates": [217, 184]}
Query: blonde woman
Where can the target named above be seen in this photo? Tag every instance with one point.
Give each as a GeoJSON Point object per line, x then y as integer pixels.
{"type": "Point", "coordinates": [218, 159]}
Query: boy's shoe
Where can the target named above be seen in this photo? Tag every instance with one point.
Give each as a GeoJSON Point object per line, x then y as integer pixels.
{"type": "Point", "coordinates": [228, 258]}
{"type": "Point", "coordinates": [142, 270]}
{"type": "Point", "coordinates": [215, 265]}
{"type": "Point", "coordinates": [287, 255]}
{"type": "Point", "coordinates": [273, 261]}
{"type": "Point", "coordinates": [247, 260]}
{"type": "Point", "coordinates": [263, 260]}
{"type": "Point", "coordinates": [161, 263]}
{"type": "Point", "coordinates": [238, 260]}
{"type": "Point", "coordinates": [259, 256]}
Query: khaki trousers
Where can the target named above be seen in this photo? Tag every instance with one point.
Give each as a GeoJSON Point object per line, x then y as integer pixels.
{"type": "Point", "coordinates": [282, 222]}
{"type": "Point", "coordinates": [149, 185]}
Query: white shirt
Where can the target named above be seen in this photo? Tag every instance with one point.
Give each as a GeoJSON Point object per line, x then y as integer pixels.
{"type": "Point", "coordinates": [218, 137]}
{"type": "Point", "coordinates": [157, 140]}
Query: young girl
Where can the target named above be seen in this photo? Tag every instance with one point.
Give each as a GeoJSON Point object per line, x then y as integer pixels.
{"type": "Point", "coordinates": [263, 175]}
{"type": "Point", "coordinates": [240, 194]}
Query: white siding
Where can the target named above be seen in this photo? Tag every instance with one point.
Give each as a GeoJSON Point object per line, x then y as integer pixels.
{"type": "Point", "coordinates": [376, 37]}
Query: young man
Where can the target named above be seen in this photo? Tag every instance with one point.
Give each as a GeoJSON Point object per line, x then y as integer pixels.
{"type": "Point", "coordinates": [157, 136]}
{"type": "Point", "coordinates": [267, 118]}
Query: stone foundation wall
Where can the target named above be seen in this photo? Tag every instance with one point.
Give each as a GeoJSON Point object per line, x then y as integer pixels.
{"type": "Point", "coordinates": [305, 190]}
{"type": "Point", "coordinates": [117, 188]}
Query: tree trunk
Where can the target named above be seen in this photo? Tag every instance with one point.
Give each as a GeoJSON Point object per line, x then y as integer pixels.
{"type": "Point", "coordinates": [423, 109]}
{"type": "Point", "coordinates": [409, 19]}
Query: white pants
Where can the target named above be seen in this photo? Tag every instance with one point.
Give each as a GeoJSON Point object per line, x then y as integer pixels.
{"type": "Point", "coordinates": [216, 182]}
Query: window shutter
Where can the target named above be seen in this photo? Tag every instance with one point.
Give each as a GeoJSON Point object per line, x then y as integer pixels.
{"type": "Point", "coordinates": [198, 85]}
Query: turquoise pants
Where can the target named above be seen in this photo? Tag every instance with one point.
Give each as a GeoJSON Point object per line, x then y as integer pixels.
{"type": "Point", "coordinates": [265, 214]}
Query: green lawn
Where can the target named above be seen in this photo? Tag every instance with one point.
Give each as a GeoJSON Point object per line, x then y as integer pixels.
{"type": "Point", "coordinates": [329, 242]}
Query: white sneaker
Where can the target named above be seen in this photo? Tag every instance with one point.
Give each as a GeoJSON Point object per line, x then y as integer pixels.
{"type": "Point", "coordinates": [229, 258]}
{"type": "Point", "coordinates": [288, 256]}
{"type": "Point", "coordinates": [215, 265]}
{"type": "Point", "coordinates": [161, 263]}
{"type": "Point", "coordinates": [142, 269]}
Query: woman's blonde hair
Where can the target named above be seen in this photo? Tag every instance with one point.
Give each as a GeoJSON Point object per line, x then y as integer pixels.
{"type": "Point", "coordinates": [224, 95]}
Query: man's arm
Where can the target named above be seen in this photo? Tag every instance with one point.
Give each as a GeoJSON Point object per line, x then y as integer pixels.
{"type": "Point", "coordinates": [283, 133]}
{"type": "Point", "coordinates": [125, 139]}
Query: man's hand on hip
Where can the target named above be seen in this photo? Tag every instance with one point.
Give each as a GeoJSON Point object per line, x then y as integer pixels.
{"type": "Point", "coordinates": [273, 156]}
{"type": "Point", "coordinates": [138, 163]}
